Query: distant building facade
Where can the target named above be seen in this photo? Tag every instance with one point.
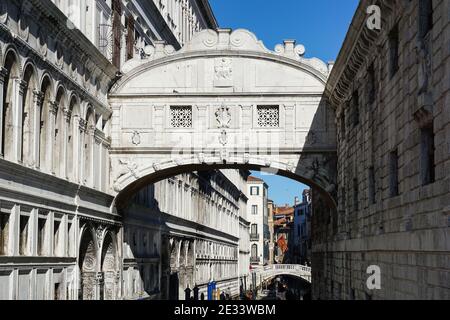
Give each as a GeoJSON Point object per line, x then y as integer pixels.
{"type": "Point", "coordinates": [163, 251]}
{"type": "Point", "coordinates": [283, 233]}
{"type": "Point", "coordinates": [270, 213]}
{"type": "Point", "coordinates": [257, 213]}
{"type": "Point", "coordinates": [302, 229]}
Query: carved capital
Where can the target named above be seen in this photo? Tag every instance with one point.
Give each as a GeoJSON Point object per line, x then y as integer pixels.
{"type": "Point", "coordinates": [3, 74]}
{"type": "Point", "coordinates": [67, 114]}
{"type": "Point", "coordinates": [38, 97]}
{"type": "Point", "coordinates": [53, 107]}
{"type": "Point", "coordinates": [82, 124]}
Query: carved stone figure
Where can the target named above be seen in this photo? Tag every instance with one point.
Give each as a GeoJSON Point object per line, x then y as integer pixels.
{"type": "Point", "coordinates": [223, 117]}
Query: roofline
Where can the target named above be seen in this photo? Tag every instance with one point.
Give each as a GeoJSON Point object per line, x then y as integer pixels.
{"type": "Point", "coordinates": [209, 14]}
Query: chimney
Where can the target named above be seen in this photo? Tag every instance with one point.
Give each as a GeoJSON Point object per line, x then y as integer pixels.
{"type": "Point", "coordinates": [296, 201]}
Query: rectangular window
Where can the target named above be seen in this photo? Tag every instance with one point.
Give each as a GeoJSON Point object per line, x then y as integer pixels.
{"type": "Point", "coordinates": [41, 236]}
{"type": "Point", "coordinates": [23, 239]}
{"type": "Point", "coordinates": [254, 229]}
{"type": "Point", "coordinates": [371, 86]}
{"type": "Point", "coordinates": [372, 185]}
{"type": "Point", "coordinates": [181, 116]}
{"type": "Point", "coordinates": [393, 51]}
{"type": "Point", "coordinates": [393, 173]}
{"type": "Point", "coordinates": [427, 149]}
{"type": "Point", "coordinates": [355, 194]}
{"type": "Point", "coordinates": [4, 225]}
{"type": "Point", "coordinates": [355, 108]}
{"type": "Point", "coordinates": [254, 191]}
{"type": "Point", "coordinates": [343, 124]}
{"type": "Point", "coordinates": [268, 116]}
{"type": "Point", "coordinates": [254, 209]}
{"type": "Point", "coordinates": [117, 32]}
{"type": "Point", "coordinates": [425, 17]}
{"type": "Point", "coordinates": [56, 236]}
{"type": "Point", "coordinates": [129, 25]}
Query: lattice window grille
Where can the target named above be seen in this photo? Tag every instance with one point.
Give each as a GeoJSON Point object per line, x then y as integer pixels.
{"type": "Point", "coordinates": [268, 116]}
{"type": "Point", "coordinates": [181, 116]}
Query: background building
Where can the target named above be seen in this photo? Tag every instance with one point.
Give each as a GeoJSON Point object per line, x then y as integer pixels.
{"type": "Point", "coordinates": [283, 233]}
{"type": "Point", "coordinates": [163, 251]}
{"type": "Point", "coordinates": [257, 216]}
{"type": "Point", "coordinates": [270, 220]}
{"type": "Point", "coordinates": [302, 229]}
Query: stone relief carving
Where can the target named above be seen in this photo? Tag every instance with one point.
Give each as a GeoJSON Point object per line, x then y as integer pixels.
{"type": "Point", "coordinates": [424, 71]}
{"type": "Point", "coordinates": [223, 138]}
{"type": "Point", "coordinates": [246, 158]}
{"type": "Point", "coordinates": [99, 234]}
{"type": "Point", "coordinates": [136, 138]}
{"type": "Point", "coordinates": [3, 12]}
{"type": "Point", "coordinates": [223, 72]}
{"type": "Point", "coordinates": [201, 157]}
{"type": "Point", "coordinates": [126, 166]}
{"type": "Point", "coordinates": [223, 117]}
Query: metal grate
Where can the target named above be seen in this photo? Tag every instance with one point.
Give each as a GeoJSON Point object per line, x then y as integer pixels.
{"type": "Point", "coordinates": [268, 116]}
{"type": "Point", "coordinates": [181, 116]}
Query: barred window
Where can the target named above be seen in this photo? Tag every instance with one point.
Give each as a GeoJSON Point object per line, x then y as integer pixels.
{"type": "Point", "coordinates": [181, 116]}
{"type": "Point", "coordinates": [268, 116]}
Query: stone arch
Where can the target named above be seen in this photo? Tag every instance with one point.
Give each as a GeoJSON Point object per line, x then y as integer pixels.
{"type": "Point", "coordinates": [11, 88]}
{"type": "Point", "coordinates": [109, 266]}
{"type": "Point", "coordinates": [46, 107]}
{"type": "Point", "coordinates": [58, 136]}
{"type": "Point", "coordinates": [319, 176]}
{"type": "Point", "coordinates": [88, 264]}
{"type": "Point", "coordinates": [30, 126]}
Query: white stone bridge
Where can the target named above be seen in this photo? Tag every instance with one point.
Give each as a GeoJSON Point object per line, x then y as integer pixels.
{"type": "Point", "coordinates": [225, 101]}
{"type": "Point", "coordinates": [269, 272]}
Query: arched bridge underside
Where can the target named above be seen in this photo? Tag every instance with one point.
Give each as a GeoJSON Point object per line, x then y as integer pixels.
{"type": "Point", "coordinates": [222, 101]}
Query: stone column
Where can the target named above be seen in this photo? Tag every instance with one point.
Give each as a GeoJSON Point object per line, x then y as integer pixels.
{"type": "Point", "coordinates": [53, 109]}
{"type": "Point", "coordinates": [82, 125]}
{"type": "Point", "coordinates": [17, 111]}
{"type": "Point", "coordinates": [3, 73]}
{"type": "Point", "coordinates": [98, 163]}
{"type": "Point", "coordinates": [14, 231]}
{"type": "Point", "coordinates": [64, 155]}
{"type": "Point", "coordinates": [99, 281]}
{"type": "Point", "coordinates": [90, 179]}
{"type": "Point", "coordinates": [37, 106]}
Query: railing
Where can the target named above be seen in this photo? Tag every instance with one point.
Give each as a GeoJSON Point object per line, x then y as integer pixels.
{"type": "Point", "coordinates": [254, 236]}
{"type": "Point", "coordinates": [290, 267]}
{"type": "Point", "coordinates": [255, 259]}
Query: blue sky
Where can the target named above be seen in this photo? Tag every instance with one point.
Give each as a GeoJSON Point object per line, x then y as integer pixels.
{"type": "Point", "coordinates": [320, 25]}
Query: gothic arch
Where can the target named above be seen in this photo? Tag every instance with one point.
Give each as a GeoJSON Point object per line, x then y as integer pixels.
{"type": "Point", "coordinates": [11, 87]}
{"type": "Point", "coordinates": [109, 265]}
{"type": "Point", "coordinates": [46, 107]}
{"type": "Point", "coordinates": [72, 134]}
{"type": "Point", "coordinates": [29, 113]}
{"type": "Point", "coordinates": [58, 136]}
{"type": "Point", "coordinates": [88, 263]}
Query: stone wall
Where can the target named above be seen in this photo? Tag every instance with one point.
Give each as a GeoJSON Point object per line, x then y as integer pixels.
{"type": "Point", "coordinates": [390, 89]}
